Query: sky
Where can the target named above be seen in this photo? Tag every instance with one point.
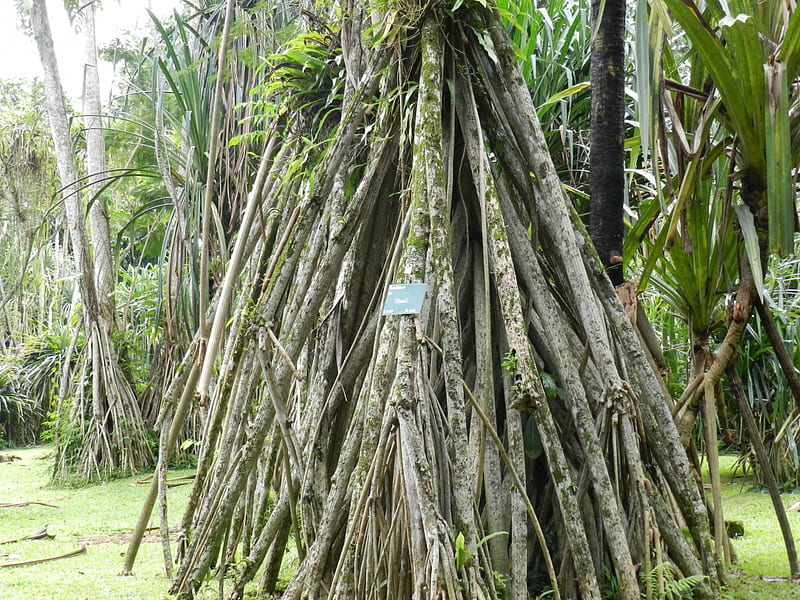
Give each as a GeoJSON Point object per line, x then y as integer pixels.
{"type": "Point", "coordinates": [18, 52]}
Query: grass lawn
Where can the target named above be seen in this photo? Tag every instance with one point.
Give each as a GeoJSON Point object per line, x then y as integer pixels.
{"type": "Point", "coordinates": [100, 517]}
{"type": "Point", "coordinates": [762, 570]}
{"type": "Point", "coordinates": [97, 517]}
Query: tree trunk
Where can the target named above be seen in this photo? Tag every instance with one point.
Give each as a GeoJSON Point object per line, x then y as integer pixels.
{"type": "Point", "coordinates": [779, 347]}
{"type": "Point", "coordinates": [96, 167]}
{"type": "Point", "coordinates": [59, 126]}
{"type": "Point", "coordinates": [607, 156]}
{"type": "Point", "coordinates": [754, 436]}
{"type": "Point", "coordinates": [354, 426]}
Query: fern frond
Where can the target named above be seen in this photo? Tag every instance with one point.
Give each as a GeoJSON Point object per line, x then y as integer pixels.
{"type": "Point", "coordinates": [674, 587]}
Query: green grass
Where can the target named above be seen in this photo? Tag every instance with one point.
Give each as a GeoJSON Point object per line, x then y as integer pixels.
{"type": "Point", "coordinates": [760, 550]}
{"type": "Point", "coordinates": [762, 564]}
{"type": "Point", "coordinates": [95, 516]}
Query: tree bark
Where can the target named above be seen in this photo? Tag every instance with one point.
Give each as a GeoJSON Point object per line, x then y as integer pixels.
{"type": "Point", "coordinates": [59, 126]}
{"type": "Point", "coordinates": [607, 155]}
{"type": "Point", "coordinates": [96, 167]}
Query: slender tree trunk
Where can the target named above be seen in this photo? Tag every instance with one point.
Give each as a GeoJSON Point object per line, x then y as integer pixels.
{"type": "Point", "coordinates": [96, 167]}
{"type": "Point", "coordinates": [99, 232]}
{"type": "Point", "coordinates": [779, 347]}
{"type": "Point", "coordinates": [208, 217]}
{"type": "Point", "coordinates": [607, 156]}
{"type": "Point", "coordinates": [59, 125]}
{"type": "Point", "coordinates": [754, 435]}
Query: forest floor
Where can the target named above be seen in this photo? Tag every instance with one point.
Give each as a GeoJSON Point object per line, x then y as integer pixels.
{"type": "Point", "coordinates": [99, 518]}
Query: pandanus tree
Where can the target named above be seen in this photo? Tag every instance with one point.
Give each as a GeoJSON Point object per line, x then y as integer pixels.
{"type": "Point", "coordinates": [200, 206]}
{"type": "Point", "coordinates": [512, 436]}
{"type": "Point", "coordinates": [27, 179]}
{"type": "Point", "coordinates": [724, 144]}
{"type": "Point", "coordinates": [104, 414]}
{"type": "Point", "coordinates": [201, 113]}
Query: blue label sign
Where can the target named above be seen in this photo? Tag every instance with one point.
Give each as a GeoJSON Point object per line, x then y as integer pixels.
{"type": "Point", "coordinates": [404, 298]}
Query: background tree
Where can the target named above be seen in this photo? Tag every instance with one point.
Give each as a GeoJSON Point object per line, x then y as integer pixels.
{"type": "Point", "coordinates": [113, 437]}
{"type": "Point", "coordinates": [33, 290]}
{"type": "Point", "coordinates": [96, 173]}
{"type": "Point", "coordinates": [30, 248]}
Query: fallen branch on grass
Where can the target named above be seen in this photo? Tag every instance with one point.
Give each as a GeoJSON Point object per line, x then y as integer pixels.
{"type": "Point", "coordinates": [175, 484]}
{"type": "Point", "coordinates": [171, 481]}
{"type": "Point", "coordinates": [23, 504]}
{"type": "Point", "coordinates": [39, 535]}
{"type": "Point", "coordinates": [36, 561]}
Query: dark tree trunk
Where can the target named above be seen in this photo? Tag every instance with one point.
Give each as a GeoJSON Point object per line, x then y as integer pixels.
{"type": "Point", "coordinates": [607, 157]}
{"type": "Point", "coordinates": [754, 195]}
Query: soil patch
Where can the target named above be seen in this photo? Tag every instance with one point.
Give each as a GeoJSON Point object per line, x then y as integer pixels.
{"type": "Point", "coordinates": [153, 534]}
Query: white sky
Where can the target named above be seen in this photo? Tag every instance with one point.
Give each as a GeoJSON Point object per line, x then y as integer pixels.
{"type": "Point", "coordinates": [18, 56]}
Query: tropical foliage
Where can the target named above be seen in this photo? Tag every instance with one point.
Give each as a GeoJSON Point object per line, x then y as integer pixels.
{"type": "Point", "coordinates": [271, 169]}
{"type": "Point", "coordinates": [552, 44]}
{"type": "Point", "coordinates": [720, 141]}
{"type": "Point", "coordinates": [763, 378]}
